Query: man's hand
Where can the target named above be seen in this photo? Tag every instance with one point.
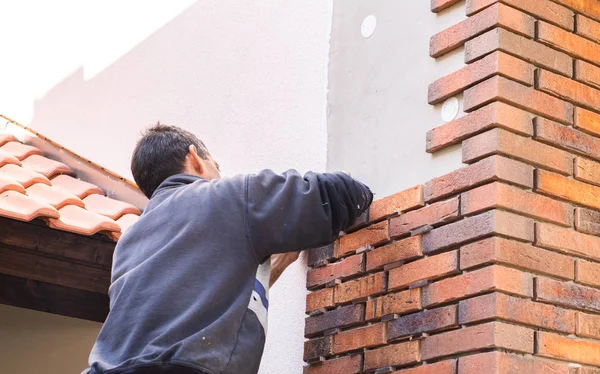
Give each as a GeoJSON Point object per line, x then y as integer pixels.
{"type": "Point", "coordinates": [279, 262]}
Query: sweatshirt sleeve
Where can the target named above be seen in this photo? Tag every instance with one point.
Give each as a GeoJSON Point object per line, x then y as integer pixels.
{"type": "Point", "coordinates": [289, 212]}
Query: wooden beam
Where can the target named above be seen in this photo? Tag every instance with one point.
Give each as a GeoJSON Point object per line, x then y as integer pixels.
{"type": "Point", "coordinates": [40, 238]}
{"type": "Point", "coordinates": [51, 298]}
{"type": "Point", "coordinates": [34, 266]}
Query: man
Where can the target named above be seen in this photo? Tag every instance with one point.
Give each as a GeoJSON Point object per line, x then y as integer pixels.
{"type": "Point", "coordinates": [189, 291]}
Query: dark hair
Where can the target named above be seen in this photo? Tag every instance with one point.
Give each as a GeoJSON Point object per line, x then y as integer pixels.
{"type": "Point", "coordinates": [160, 153]}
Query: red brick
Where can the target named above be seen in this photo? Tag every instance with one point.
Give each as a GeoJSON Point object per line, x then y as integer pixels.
{"type": "Point", "coordinates": [362, 337]}
{"type": "Point", "coordinates": [516, 45]}
{"type": "Point", "coordinates": [433, 215]}
{"type": "Point", "coordinates": [496, 114]}
{"type": "Point", "coordinates": [429, 321]}
{"type": "Point", "coordinates": [394, 303]}
{"type": "Point", "coordinates": [588, 370]}
{"type": "Point", "coordinates": [496, 15]}
{"type": "Point", "coordinates": [366, 286]}
{"type": "Point", "coordinates": [566, 137]}
{"type": "Point", "coordinates": [589, 8]}
{"type": "Point", "coordinates": [514, 309]}
{"type": "Point", "coordinates": [588, 273]}
{"type": "Point", "coordinates": [401, 250]}
{"type": "Point", "coordinates": [368, 237]}
{"type": "Point", "coordinates": [568, 42]}
{"type": "Point", "coordinates": [392, 355]}
{"type": "Point", "coordinates": [502, 196]}
{"type": "Point", "coordinates": [500, 88]}
{"type": "Point", "coordinates": [587, 121]}
{"type": "Point", "coordinates": [568, 89]}
{"type": "Point", "coordinates": [569, 349]}
{"type": "Point", "coordinates": [322, 255]}
{"type": "Point", "coordinates": [339, 270]}
{"type": "Point", "coordinates": [426, 269]}
{"type": "Point", "coordinates": [567, 240]}
{"type": "Point", "coordinates": [587, 221]}
{"type": "Point", "coordinates": [504, 363]}
{"type": "Point", "coordinates": [321, 299]}
{"type": "Point", "coordinates": [341, 317]}
{"type": "Point", "coordinates": [498, 141]}
{"type": "Point", "coordinates": [567, 294]}
{"type": "Point", "coordinates": [491, 278]}
{"type": "Point", "coordinates": [439, 5]}
{"type": "Point", "coordinates": [320, 347]}
{"type": "Point", "coordinates": [490, 169]}
{"type": "Point", "coordinates": [588, 28]}
{"type": "Point", "coordinates": [476, 227]}
{"type": "Point", "coordinates": [495, 63]}
{"type": "Point", "coordinates": [442, 367]}
{"type": "Point", "coordinates": [587, 73]}
{"type": "Point", "coordinates": [346, 365]}
{"type": "Point", "coordinates": [489, 335]}
{"type": "Point", "coordinates": [542, 9]}
{"type": "Point", "coordinates": [397, 203]}
{"type": "Point", "coordinates": [588, 325]}
{"type": "Point", "coordinates": [503, 251]}
{"type": "Point", "coordinates": [567, 189]}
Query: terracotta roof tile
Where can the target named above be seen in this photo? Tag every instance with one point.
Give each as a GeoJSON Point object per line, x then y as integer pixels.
{"type": "Point", "coordinates": [15, 205]}
{"type": "Point", "coordinates": [7, 158]}
{"type": "Point", "coordinates": [5, 138]}
{"type": "Point", "coordinates": [20, 150]}
{"type": "Point", "coordinates": [78, 220]}
{"type": "Point", "coordinates": [109, 207]}
{"type": "Point", "coordinates": [27, 193]}
{"type": "Point", "coordinates": [10, 185]}
{"type": "Point", "coordinates": [127, 220]}
{"type": "Point", "coordinates": [53, 196]}
{"type": "Point", "coordinates": [23, 176]}
{"type": "Point", "coordinates": [75, 186]}
{"type": "Point", "coordinates": [45, 166]}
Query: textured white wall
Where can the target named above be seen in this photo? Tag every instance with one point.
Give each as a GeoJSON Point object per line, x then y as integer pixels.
{"type": "Point", "coordinates": [249, 78]}
{"type": "Point", "coordinates": [378, 113]}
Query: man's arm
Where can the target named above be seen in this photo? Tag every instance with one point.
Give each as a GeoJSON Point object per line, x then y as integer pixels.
{"type": "Point", "coordinates": [280, 262]}
{"type": "Point", "coordinates": [289, 213]}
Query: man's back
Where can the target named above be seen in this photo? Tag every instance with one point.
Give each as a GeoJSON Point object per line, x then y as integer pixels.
{"type": "Point", "coordinates": [183, 277]}
{"type": "Point", "coordinates": [189, 288]}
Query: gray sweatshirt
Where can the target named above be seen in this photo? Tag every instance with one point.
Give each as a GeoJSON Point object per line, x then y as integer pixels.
{"type": "Point", "coordinates": [190, 279]}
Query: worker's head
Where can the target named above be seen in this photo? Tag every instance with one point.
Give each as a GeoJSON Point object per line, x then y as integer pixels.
{"type": "Point", "coordinates": [166, 150]}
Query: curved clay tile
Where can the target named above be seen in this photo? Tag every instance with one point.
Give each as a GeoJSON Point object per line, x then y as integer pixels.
{"type": "Point", "coordinates": [77, 187]}
{"type": "Point", "coordinates": [15, 205]}
{"type": "Point", "coordinates": [46, 166]}
{"type": "Point", "coordinates": [80, 221]}
{"type": "Point", "coordinates": [53, 196]}
{"type": "Point", "coordinates": [127, 220]}
{"type": "Point", "coordinates": [11, 185]}
{"type": "Point", "coordinates": [7, 158]}
{"type": "Point", "coordinates": [23, 176]}
{"type": "Point", "coordinates": [20, 150]}
{"type": "Point", "coordinates": [115, 236]}
{"type": "Point", "coordinates": [5, 138]}
{"type": "Point", "coordinates": [109, 207]}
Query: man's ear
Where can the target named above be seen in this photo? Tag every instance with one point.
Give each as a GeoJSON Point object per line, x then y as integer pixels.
{"type": "Point", "coordinates": [194, 160]}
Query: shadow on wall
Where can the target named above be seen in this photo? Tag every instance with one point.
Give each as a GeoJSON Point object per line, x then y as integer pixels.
{"type": "Point", "coordinates": [199, 71]}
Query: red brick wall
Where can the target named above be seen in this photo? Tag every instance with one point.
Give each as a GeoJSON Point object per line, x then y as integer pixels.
{"type": "Point", "coordinates": [495, 267]}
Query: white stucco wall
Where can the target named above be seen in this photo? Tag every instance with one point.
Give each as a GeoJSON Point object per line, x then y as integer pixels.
{"type": "Point", "coordinates": [34, 342]}
{"type": "Point", "coordinates": [378, 114]}
{"type": "Point", "coordinates": [249, 78]}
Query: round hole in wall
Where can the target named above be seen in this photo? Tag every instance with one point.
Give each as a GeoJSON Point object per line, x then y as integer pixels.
{"type": "Point", "coordinates": [368, 26]}
{"type": "Point", "coordinates": [450, 109]}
